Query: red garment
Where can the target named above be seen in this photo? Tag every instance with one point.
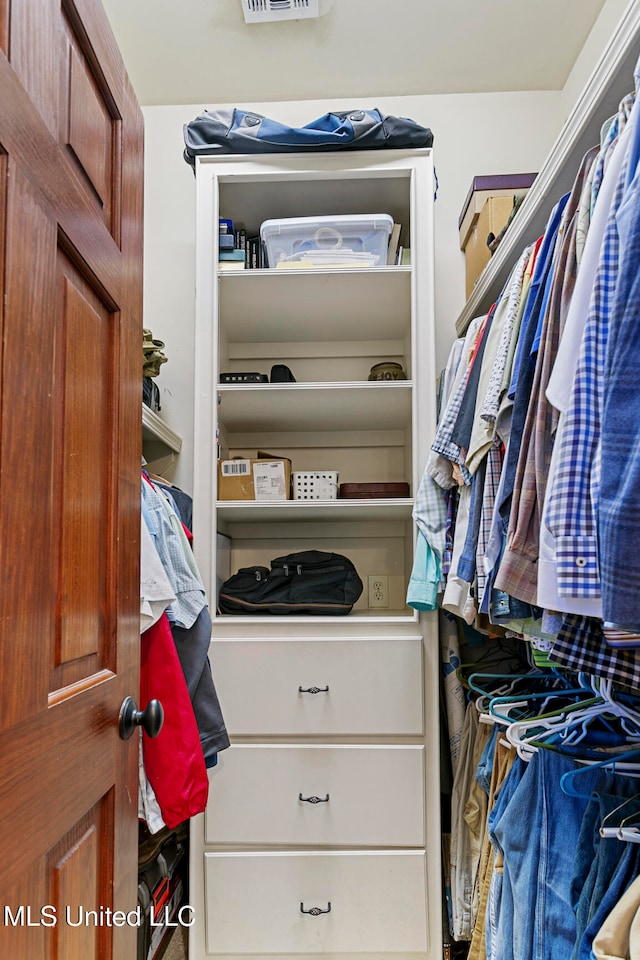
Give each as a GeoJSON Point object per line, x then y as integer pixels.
{"type": "Point", "coordinates": [481, 335]}
{"type": "Point", "coordinates": [173, 761]}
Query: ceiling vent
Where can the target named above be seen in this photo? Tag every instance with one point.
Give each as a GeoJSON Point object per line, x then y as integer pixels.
{"type": "Point", "coordinates": [268, 11]}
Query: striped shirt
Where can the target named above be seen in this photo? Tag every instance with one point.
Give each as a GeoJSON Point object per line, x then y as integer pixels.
{"type": "Point", "coordinates": [572, 502]}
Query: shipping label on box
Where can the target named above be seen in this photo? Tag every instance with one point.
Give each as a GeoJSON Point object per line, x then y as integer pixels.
{"type": "Point", "coordinates": [236, 468]}
{"type": "Point", "coordinates": [269, 480]}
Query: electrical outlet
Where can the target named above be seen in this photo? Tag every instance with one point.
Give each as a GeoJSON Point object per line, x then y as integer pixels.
{"type": "Point", "coordinates": [378, 590]}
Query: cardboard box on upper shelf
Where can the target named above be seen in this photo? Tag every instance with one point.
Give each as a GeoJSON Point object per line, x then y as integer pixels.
{"type": "Point", "coordinates": [486, 210]}
{"type": "Point", "coordinates": [264, 478]}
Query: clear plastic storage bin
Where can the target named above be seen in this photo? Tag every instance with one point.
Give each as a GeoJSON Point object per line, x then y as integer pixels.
{"type": "Point", "coordinates": [327, 241]}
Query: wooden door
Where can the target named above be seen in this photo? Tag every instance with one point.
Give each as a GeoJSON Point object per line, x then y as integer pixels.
{"type": "Point", "coordinates": [70, 437]}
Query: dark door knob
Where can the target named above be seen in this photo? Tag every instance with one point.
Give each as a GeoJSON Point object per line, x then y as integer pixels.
{"type": "Point", "coordinates": [150, 719]}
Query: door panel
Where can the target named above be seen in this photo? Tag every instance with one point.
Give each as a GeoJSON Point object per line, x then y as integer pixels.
{"type": "Point", "coordinates": [70, 444]}
{"type": "Point", "coordinates": [36, 63]}
{"type": "Point", "coordinates": [4, 25]}
{"type": "Point", "coordinates": [90, 126]}
{"type": "Point", "coordinates": [87, 334]}
{"type": "Point", "coordinates": [78, 875]}
{"type": "Point", "coordinates": [26, 450]}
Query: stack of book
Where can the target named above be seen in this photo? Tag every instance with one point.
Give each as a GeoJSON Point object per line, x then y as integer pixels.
{"type": "Point", "coordinates": [230, 256]}
{"type": "Point", "coordinates": [397, 254]}
{"type": "Point", "coordinates": [253, 249]}
{"type": "Point", "coordinates": [237, 251]}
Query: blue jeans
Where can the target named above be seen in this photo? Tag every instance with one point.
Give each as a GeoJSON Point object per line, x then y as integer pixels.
{"type": "Point", "coordinates": [627, 870]}
{"type": "Point", "coordinates": [485, 766]}
{"type": "Point", "coordinates": [499, 919]}
{"type": "Point", "coordinates": [597, 859]}
{"type": "Point", "coordinates": [538, 830]}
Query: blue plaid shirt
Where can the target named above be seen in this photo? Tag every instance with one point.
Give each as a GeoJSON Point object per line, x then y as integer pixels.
{"type": "Point", "coordinates": [573, 498]}
{"type": "Point", "coordinates": [619, 514]}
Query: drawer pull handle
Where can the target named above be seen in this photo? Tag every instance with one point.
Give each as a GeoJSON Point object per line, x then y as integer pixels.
{"type": "Point", "coordinates": [313, 689]}
{"type": "Point", "coordinates": [314, 799]}
{"type": "Point", "coordinates": [315, 911]}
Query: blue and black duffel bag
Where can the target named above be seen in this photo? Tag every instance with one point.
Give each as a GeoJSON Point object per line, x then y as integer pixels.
{"type": "Point", "coordinates": [230, 130]}
{"type": "Point", "coordinates": [309, 582]}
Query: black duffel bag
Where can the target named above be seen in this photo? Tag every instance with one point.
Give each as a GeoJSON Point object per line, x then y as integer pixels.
{"type": "Point", "coordinates": [307, 582]}
{"type": "Point", "coordinates": [231, 130]}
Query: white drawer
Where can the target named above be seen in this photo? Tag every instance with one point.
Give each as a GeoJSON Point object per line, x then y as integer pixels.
{"type": "Point", "coordinates": [378, 903]}
{"type": "Point", "coordinates": [375, 796]}
{"type": "Point", "coordinates": [371, 687]}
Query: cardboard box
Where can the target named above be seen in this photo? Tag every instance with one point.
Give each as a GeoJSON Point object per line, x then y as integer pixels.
{"type": "Point", "coordinates": [493, 217]}
{"type": "Point", "coordinates": [262, 478]}
{"type": "Point", "coordinates": [486, 210]}
{"type": "Point", "coordinates": [481, 189]}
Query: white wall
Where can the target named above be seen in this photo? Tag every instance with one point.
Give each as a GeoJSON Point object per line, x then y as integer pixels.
{"type": "Point", "coordinates": [473, 134]}
{"type": "Point", "coordinates": [604, 27]}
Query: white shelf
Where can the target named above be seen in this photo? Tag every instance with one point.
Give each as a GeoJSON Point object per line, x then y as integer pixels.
{"type": "Point", "coordinates": [359, 616]}
{"type": "Point", "coordinates": [251, 511]}
{"type": "Point", "coordinates": [315, 406]}
{"type": "Point", "coordinates": [279, 306]}
{"type": "Point", "coordinates": [611, 80]}
{"type": "Point", "coordinates": [155, 430]}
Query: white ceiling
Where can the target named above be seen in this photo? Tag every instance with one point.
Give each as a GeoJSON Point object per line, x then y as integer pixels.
{"type": "Point", "coordinates": [202, 52]}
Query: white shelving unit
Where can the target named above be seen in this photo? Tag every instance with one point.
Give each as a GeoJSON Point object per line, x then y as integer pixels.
{"type": "Point", "coordinates": [330, 327]}
{"type": "Point", "coordinates": [348, 702]}
{"type": "Point", "coordinates": [160, 444]}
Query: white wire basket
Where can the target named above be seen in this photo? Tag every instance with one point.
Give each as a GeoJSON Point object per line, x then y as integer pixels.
{"type": "Point", "coordinates": [315, 486]}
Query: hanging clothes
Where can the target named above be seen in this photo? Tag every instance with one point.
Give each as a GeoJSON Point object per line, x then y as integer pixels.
{"type": "Point", "coordinates": [192, 646]}
{"type": "Point", "coordinates": [175, 668]}
{"type": "Point", "coordinates": [619, 936]}
{"type": "Point", "coordinates": [521, 548]}
{"type": "Point", "coordinates": [179, 565]}
{"type": "Point", "coordinates": [544, 846]}
{"type": "Point", "coordinates": [468, 813]}
{"type": "Point", "coordinates": [173, 761]}
{"type": "Point", "coordinates": [619, 504]}
{"type": "Point", "coordinates": [518, 574]}
{"type": "Point", "coordinates": [573, 495]}
{"type": "Point", "coordinates": [156, 593]}
{"type": "Point", "coordinates": [569, 521]}
{"type": "Point", "coordinates": [532, 494]}
{"type": "Point", "coordinates": [492, 371]}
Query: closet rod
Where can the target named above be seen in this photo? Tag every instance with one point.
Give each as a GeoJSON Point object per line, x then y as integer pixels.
{"type": "Point", "coordinates": [611, 80]}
